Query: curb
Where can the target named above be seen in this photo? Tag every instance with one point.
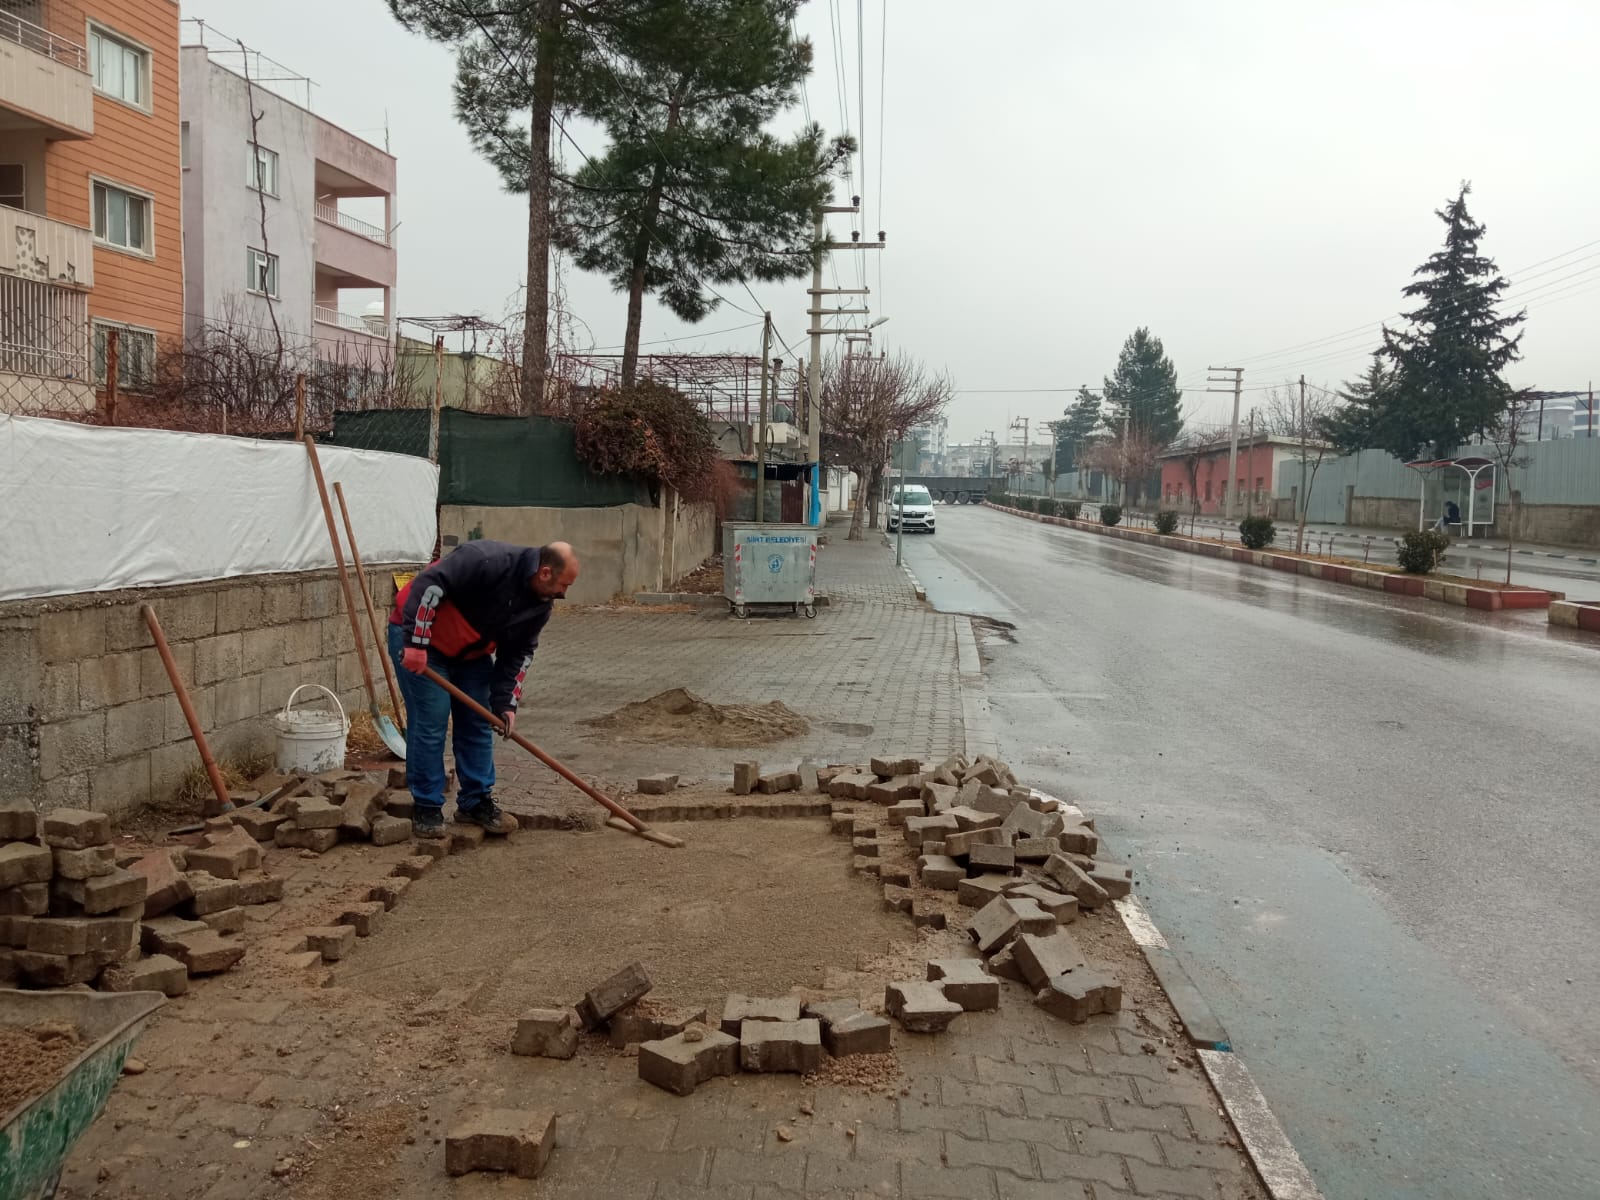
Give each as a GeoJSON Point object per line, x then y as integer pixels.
{"type": "Point", "coordinates": [1277, 1162]}
{"type": "Point", "coordinates": [916, 584]}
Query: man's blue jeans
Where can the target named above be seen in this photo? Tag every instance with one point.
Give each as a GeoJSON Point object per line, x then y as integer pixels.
{"type": "Point", "coordinates": [428, 711]}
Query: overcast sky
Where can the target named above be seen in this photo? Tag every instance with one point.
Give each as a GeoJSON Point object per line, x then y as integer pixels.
{"type": "Point", "coordinates": [1246, 178]}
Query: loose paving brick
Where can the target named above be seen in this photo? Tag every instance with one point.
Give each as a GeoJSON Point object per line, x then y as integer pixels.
{"type": "Point", "coordinates": [210, 894]}
{"type": "Point", "coordinates": [1033, 918]}
{"type": "Point", "coordinates": [979, 891]}
{"type": "Point", "coordinates": [516, 1141]}
{"type": "Point", "coordinates": [939, 797]}
{"type": "Point", "coordinates": [1072, 879]}
{"type": "Point", "coordinates": [920, 829]}
{"type": "Point", "coordinates": [865, 865]}
{"type": "Point", "coordinates": [362, 802]}
{"type": "Point", "coordinates": [364, 918]}
{"type": "Point", "coordinates": [847, 1030]}
{"type": "Point", "coordinates": [313, 812]}
{"type": "Point", "coordinates": [681, 1063]}
{"type": "Point", "coordinates": [893, 791]}
{"type": "Point", "coordinates": [1043, 958]}
{"type": "Point", "coordinates": [745, 777]}
{"type": "Point", "coordinates": [897, 899]}
{"type": "Point", "coordinates": [1080, 994]}
{"type": "Point", "coordinates": [158, 973]}
{"type": "Point", "coordinates": [465, 837]}
{"type": "Point", "coordinates": [658, 785]}
{"type": "Point", "coordinates": [226, 862]}
{"type": "Point", "coordinates": [1115, 878]}
{"type": "Point", "coordinates": [258, 822]}
{"type": "Point", "coordinates": [546, 1033]}
{"type": "Point", "coordinates": [101, 894]}
{"type": "Point", "coordinates": [940, 872]}
{"type": "Point", "coordinates": [24, 862]}
{"type": "Point", "coordinates": [1035, 849]}
{"type": "Point", "coordinates": [628, 1028]}
{"type": "Point", "coordinates": [229, 920]}
{"type": "Point", "coordinates": [57, 970]}
{"type": "Point", "coordinates": [390, 831]}
{"type": "Point", "coordinates": [291, 837]}
{"type": "Point", "coordinates": [205, 952]}
{"type": "Point", "coordinates": [333, 942]}
{"type": "Point", "coordinates": [775, 782]}
{"type": "Point", "coordinates": [1023, 822]}
{"type": "Point", "coordinates": [867, 847]}
{"type": "Point", "coordinates": [82, 935]}
{"type": "Point", "coordinates": [158, 935]}
{"type": "Point", "coordinates": [899, 876]}
{"type": "Point", "coordinates": [388, 891]}
{"type": "Point", "coordinates": [852, 786]}
{"type": "Point", "coordinates": [256, 887]}
{"type": "Point", "coordinates": [968, 819]}
{"type": "Point", "coordinates": [1079, 839]}
{"type": "Point", "coordinates": [780, 1046]}
{"type": "Point", "coordinates": [993, 926]}
{"type": "Point", "coordinates": [842, 824]}
{"type": "Point", "coordinates": [75, 829]}
{"type": "Point", "coordinates": [85, 864]}
{"type": "Point", "coordinates": [624, 988]}
{"type": "Point", "coordinates": [983, 860]}
{"type": "Point", "coordinates": [888, 768]}
{"type": "Point", "coordinates": [1004, 964]}
{"type": "Point", "coordinates": [738, 1009]}
{"type": "Point", "coordinates": [900, 813]}
{"type": "Point", "coordinates": [435, 849]}
{"type": "Point", "coordinates": [965, 981]}
{"type": "Point", "coordinates": [960, 844]}
{"type": "Point", "coordinates": [29, 899]}
{"type": "Point", "coordinates": [920, 1007]}
{"type": "Point", "coordinates": [925, 914]}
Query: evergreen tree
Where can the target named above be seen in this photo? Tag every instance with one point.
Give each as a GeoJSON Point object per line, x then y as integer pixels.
{"type": "Point", "coordinates": [1079, 428]}
{"type": "Point", "coordinates": [693, 191]}
{"type": "Point", "coordinates": [1144, 389]}
{"type": "Point", "coordinates": [1446, 387]}
{"type": "Point", "coordinates": [1356, 424]}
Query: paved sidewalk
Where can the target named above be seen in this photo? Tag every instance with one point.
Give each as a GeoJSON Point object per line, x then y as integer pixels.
{"type": "Point", "coordinates": [257, 1069]}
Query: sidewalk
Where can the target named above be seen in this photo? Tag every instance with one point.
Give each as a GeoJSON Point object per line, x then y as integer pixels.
{"type": "Point", "coordinates": [262, 1085]}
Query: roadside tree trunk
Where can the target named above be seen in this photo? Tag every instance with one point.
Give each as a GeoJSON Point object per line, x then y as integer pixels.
{"type": "Point", "coordinates": [536, 311]}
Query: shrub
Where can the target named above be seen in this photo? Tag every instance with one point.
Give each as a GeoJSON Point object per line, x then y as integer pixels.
{"type": "Point", "coordinates": [1166, 521]}
{"type": "Point", "coordinates": [1257, 532]}
{"type": "Point", "coordinates": [653, 433]}
{"type": "Point", "coordinates": [1025, 503]}
{"type": "Point", "coordinates": [1110, 514]}
{"type": "Point", "coordinates": [1047, 507]}
{"type": "Point", "coordinates": [1421, 551]}
{"type": "Point", "coordinates": [1070, 509]}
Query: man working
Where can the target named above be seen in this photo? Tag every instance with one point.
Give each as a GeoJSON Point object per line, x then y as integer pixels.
{"type": "Point", "coordinates": [473, 616]}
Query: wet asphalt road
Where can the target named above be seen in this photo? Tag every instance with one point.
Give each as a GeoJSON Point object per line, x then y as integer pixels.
{"type": "Point", "coordinates": [1370, 827]}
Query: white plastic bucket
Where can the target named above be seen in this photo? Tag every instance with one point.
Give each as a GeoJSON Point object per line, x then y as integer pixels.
{"type": "Point", "coordinates": [311, 740]}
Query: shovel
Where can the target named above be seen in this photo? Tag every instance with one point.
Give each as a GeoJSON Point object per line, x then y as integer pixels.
{"type": "Point", "coordinates": [391, 736]}
{"type": "Point", "coordinates": [622, 818]}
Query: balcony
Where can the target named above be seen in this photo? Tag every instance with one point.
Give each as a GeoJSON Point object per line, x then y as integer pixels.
{"type": "Point", "coordinates": [330, 215]}
{"type": "Point", "coordinates": [37, 248]}
{"type": "Point", "coordinates": [44, 349]}
{"type": "Point", "coordinates": [371, 326]}
{"type": "Point", "coordinates": [44, 77]}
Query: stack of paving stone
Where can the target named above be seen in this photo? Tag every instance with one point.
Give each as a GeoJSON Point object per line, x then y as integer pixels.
{"type": "Point", "coordinates": [317, 812]}
{"type": "Point", "coordinates": [1026, 861]}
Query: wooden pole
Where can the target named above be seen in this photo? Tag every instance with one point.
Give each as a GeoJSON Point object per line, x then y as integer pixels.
{"type": "Point", "coordinates": [218, 784]}
{"type": "Point", "coordinates": [299, 407]}
{"type": "Point", "coordinates": [438, 399]}
{"type": "Point", "coordinates": [372, 613]}
{"type": "Point", "coordinates": [113, 365]}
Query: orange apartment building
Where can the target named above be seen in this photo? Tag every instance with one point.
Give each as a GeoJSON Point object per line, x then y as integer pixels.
{"type": "Point", "coordinates": [90, 196]}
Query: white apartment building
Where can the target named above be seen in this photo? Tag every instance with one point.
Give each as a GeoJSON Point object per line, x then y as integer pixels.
{"type": "Point", "coordinates": [328, 275]}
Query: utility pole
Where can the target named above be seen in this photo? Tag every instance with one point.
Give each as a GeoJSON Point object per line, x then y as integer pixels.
{"type": "Point", "coordinates": [1233, 435]}
{"type": "Point", "coordinates": [761, 423]}
{"type": "Point", "coordinates": [1299, 537]}
{"type": "Point", "coordinates": [994, 452]}
{"type": "Point", "coordinates": [1122, 484]}
{"type": "Point", "coordinates": [1250, 501]}
{"type": "Point", "coordinates": [900, 527]}
{"type": "Point", "coordinates": [814, 314]}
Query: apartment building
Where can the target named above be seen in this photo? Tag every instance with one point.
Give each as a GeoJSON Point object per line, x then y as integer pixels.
{"type": "Point", "coordinates": [90, 206]}
{"type": "Point", "coordinates": [271, 245]}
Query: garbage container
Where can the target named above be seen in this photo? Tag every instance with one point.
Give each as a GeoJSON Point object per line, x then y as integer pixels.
{"type": "Point", "coordinates": [769, 563]}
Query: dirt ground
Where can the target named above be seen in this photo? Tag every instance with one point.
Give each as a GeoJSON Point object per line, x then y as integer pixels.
{"type": "Point", "coordinates": [751, 906]}
{"type": "Point", "coordinates": [681, 717]}
{"type": "Point", "coordinates": [32, 1059]}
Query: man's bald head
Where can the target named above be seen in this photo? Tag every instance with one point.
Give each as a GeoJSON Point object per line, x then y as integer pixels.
{"type": "Point", "coordinates": [558, 570]}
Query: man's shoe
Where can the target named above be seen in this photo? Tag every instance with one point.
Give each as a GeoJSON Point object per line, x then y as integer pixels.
{"type": "Point", "coordinates": [488, 814]}
{"type": "Point", "coordinates": [428, 822]}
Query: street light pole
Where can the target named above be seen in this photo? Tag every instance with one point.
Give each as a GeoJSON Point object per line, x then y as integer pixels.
{"type": "Point", "coordinates": [900, 525]}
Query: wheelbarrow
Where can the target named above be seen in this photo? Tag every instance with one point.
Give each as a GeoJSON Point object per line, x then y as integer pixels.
{"type": "Point", "coordinates": [36, 1138]}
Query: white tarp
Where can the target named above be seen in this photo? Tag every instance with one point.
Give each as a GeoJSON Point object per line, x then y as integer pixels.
{"type": "Point", "coordinates": [90, 509]}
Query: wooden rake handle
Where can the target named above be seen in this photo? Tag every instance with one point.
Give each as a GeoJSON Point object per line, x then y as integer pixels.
{"type": "Point", "coordinates": [635, 825]}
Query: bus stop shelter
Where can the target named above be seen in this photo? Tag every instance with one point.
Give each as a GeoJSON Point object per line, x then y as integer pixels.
{"type": "Point", "coordinates": [1470, 481]}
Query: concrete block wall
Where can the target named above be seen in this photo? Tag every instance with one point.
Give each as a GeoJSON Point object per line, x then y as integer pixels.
{"type": "Point", "coordinates": [88, 718]}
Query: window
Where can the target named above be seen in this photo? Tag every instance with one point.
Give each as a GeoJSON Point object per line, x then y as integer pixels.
{"type": "Point", "coordinates": [121, 69]}
{"type": "Point", "coordinates": [261, 169]}
{"type": "Point", "coordinates": [136, 355]}
{"type": "Point", "coordinates": [261, 272]}
{"type": "Point", "coordinates": [1208, 491]}
{"type": "Point", "coordinates": [13, 185]}
{"type": "Point", "coordinates": [1259, 486]}
{"type": "Point", "coordinates": [121, 218]}
{"type": "Point", "coordinates": [183, 145]}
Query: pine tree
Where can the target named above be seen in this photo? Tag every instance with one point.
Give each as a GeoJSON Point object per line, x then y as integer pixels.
{"type": "Point", "coordinates": [1356, 424]}
{"type": "Point", "coordinates": [1077, 430]}
{"type": "Point", "coordinates": [1447, 387]}
{"type": "Point", "coordinates": [1144, 389]}
{"type": "Point", "coordinates": [693, 191]}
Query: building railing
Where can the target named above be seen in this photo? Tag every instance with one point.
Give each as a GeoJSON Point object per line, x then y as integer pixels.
{"type": "Point", "coordinates": [372, 326]}
{"type": "Point", "coordinates": [44, 334]}
{"type": "Point", "coordinates": [14, 27]}
{"type": "Point", "coordinates": [330, 214]}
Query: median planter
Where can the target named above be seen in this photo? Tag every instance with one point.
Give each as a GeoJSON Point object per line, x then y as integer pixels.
{"type": "Point", "coordinates": [1395, 583]}
{"type": "Point", "coordinates": [1576, 614]}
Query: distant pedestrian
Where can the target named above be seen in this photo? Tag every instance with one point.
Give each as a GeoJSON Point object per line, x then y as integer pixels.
{"type": "Point", "coordinates": [474, 616]}
{"type": "Point", "coordinates": [1450, 516]}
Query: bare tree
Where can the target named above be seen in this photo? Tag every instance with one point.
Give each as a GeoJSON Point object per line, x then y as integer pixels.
{"type": "Point", "coordinates": [1126, 456]}
{"type": "Point", "coordinates": [868, 404]}
{"type": "Point", "coordinates": [1196, 446]}
{"type": "Point", "coordinates": [1505, 437]}
{"type": "Point", "coordinates": [1303, 412]}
